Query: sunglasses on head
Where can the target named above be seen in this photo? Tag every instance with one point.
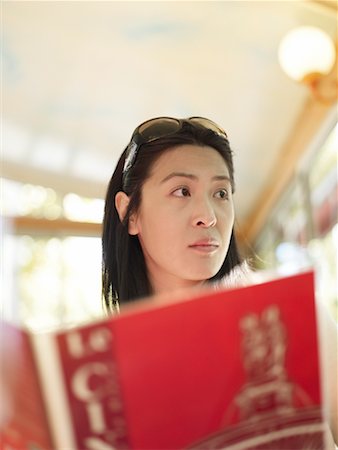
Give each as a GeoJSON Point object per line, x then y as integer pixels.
{"type": "Point", "coordinates": [160, 127]}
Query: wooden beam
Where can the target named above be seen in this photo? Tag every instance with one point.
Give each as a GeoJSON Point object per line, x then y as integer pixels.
{"type": "Point", "coordinates": [329, 5]}
{"type": "Point", "coordinates": [32, 225]}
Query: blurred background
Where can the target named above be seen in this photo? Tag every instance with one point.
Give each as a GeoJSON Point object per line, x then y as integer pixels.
{"type": "Point", "coordinates": [78, 77]}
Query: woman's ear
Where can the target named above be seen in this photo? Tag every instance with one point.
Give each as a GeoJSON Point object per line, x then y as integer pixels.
{"type": "Point", "coordinates": [121, 204]}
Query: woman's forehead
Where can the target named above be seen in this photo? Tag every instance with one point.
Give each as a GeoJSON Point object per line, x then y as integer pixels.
{"type": "Point", "coordinates": [190, 158]}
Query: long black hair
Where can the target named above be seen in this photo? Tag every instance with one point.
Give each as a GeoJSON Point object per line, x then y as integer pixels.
{"type": "Point", "coordinates": [124, 271]}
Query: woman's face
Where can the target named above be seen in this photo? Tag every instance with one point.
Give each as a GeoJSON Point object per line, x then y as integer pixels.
{"type": "Point", "coordinates": [185, 218]}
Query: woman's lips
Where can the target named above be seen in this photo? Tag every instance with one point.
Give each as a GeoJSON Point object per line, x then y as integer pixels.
{"type": "Point", "coordinates": [205, 246]}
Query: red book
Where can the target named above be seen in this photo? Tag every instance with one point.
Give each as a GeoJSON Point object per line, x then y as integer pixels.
{"type": "Point", "coordinates": [235, 369]}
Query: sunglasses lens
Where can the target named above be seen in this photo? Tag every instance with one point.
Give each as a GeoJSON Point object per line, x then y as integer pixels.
{"type": "Point", "coordinates": [209, 124]}
{"type": "Point", "coordinates": [157, 128]}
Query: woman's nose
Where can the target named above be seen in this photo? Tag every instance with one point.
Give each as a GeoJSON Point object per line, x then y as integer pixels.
{"type": "Point", "coordinates": [204, 215]}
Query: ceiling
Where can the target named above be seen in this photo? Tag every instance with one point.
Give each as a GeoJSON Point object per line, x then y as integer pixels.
{"type": "Point", "coordinates": [77, 78]}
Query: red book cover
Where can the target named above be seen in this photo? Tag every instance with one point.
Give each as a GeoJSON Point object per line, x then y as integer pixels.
{"type": "Point", "coordinates": [234, 369]}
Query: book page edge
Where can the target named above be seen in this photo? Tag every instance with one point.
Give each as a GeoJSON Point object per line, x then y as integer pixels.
{"type": "Point", "coordinates": [53, 389]}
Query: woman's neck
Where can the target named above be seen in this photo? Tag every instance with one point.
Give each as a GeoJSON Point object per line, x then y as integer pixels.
{"type": "Point", "coordinates": [173, 284]}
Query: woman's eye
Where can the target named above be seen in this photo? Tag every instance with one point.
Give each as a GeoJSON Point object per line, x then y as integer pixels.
{"type": "Point", "coordinates": [222, 194]}
{"type": "Point", "coordinates": [181, 192]}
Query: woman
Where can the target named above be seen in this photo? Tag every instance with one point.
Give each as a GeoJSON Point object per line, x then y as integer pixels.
{"type": "Point", "coordinates": [169, 216]}
{"type": "Point", "coordinates": [169, 222]}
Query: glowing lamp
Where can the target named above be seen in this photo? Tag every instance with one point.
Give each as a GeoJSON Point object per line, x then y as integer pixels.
{"type": "Point", "coordinates": [306, 54]}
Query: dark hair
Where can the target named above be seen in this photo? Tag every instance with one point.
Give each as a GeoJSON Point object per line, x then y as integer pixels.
{"type": "Point", "coordinates": [124, 272]}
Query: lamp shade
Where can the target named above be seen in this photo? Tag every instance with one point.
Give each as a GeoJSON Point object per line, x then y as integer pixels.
{"type": "Point", "coordinates": [306, 53]}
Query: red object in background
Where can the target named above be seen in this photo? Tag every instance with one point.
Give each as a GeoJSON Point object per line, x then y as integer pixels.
{"type": "Point", "coordinates": [325, 214]}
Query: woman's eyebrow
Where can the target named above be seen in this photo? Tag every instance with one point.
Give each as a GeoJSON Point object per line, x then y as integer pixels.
{"type": "Point", "coordinates": [221, 178]}
{"type": "Point", "coordinates": [194, 177]}
{"type": "Point", "coordinates": [179, 174]}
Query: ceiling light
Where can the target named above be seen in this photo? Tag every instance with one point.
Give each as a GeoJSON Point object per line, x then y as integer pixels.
{"type": "Point", "coordinates": [307, 55]}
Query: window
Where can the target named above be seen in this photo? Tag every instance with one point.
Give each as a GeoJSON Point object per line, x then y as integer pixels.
{"type": "Point", "coordinates": [302, 231]}
{"type": "Point", "coordinates": [51, 276]}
